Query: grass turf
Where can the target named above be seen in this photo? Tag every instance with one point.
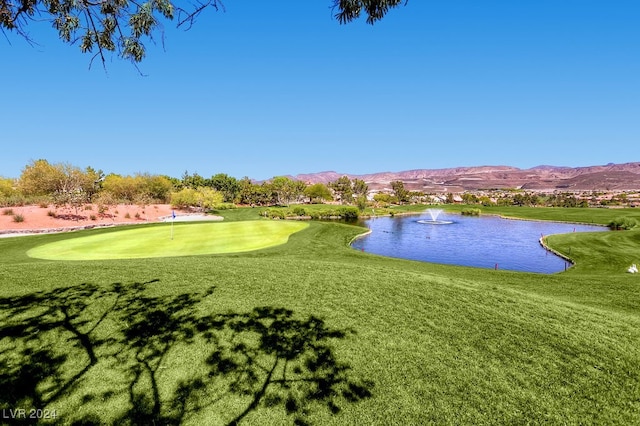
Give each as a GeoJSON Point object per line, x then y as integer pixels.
{"type": "Point", "coordinates": [315, 332]}
{"type": "Point", "coordinates": [164, 241]}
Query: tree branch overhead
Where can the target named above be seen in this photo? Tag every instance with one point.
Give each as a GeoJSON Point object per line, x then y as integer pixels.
{"type": "Point", "coordinates": [123, 26]}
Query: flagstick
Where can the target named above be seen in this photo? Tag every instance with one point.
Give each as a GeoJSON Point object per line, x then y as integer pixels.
{"type": "Point", "coordinates": [172, 220]}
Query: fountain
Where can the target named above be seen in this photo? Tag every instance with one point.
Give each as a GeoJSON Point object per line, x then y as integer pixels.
{"type": "Point", "coordinates": [434, 213]}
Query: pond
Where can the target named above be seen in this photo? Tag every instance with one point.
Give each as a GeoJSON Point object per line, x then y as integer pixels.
{"type": "Point", "coordinates": [482, 242]}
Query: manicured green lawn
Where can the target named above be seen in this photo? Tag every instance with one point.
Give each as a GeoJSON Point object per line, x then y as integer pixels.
{"type": "Point", "coordinates": [164, 241]}
{"type": "Point", "coordinates": [315, 332]}
{"type": "Point", "coordinates": [598, 216]}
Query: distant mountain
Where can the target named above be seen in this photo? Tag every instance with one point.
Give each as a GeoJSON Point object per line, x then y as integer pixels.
{"type": "Point", "coordinates": [540, 178]}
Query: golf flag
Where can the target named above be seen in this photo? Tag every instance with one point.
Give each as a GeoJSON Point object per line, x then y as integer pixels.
{"type": "Point", "coordinates": [173, 219]}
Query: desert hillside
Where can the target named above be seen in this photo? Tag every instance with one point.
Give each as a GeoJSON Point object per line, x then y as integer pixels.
{"type": "Point", "coordinates": [609, 177]}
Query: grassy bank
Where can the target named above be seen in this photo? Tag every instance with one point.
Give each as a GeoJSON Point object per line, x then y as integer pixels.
{"type": "Point", "coordinates": [316, 332]}
{"type": "Point", "coordinates": [596, 216]}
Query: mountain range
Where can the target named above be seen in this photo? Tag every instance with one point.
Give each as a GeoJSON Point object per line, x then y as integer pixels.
{"type": "Point", "coordinates": [609, 177]}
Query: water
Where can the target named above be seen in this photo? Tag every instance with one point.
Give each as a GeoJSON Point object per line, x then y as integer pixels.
{"type": "Point", "coordinates": [434, 214]}
{"type": "Point", "coordinates": [483, 242]}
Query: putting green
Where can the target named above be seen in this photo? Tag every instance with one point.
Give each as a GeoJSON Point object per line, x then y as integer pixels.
{"type": "Point", "coordinates": [188, 239]}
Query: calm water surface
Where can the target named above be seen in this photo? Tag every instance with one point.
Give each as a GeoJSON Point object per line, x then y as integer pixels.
{"type": "Point", "coordinates": [482, 242]}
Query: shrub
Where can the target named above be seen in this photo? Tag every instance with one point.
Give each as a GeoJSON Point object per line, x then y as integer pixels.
{"type": "Point", "coordinates": [361, 201]}
{"type": "Point", "coordinates": [622, 223]}
{"type": "Point", "coordinates": [93, 217]}
{"type": "Point", "coordinates": [344, 213]}
{"type": "Point", "coordinates": [127, 216]}
{"type": "Point", "coordinates": [224, 206]}
{"type": "Point", "coordinates": [13, 200]}
{"type": "Point", "coordinates": [137, 216]}
{"type": "Point", "coordinates": [7, 212]}
{"type": "Point", "coordinates": [330, 213]}
{"type": "Point", "coordinates": [103, 200]}
{"type": "Point", "coordinates": [470, 212]}
{"type": "Point", "coordinates": [18, 218]}
{"type": "Point", "coordinates": [51, 213]}
{"type": "Point", "coordinates": [298, 211]}
{"type": "Point", "coordinates": [274, 213]}
{"type": "Point", "coordinates": [384, 199]}
{"type": "Point", "coordinates": [44, 205]}
{"type": "Point", "coordinates": [203, 198]}
{"type": "Point", "coordinates": [88, 207]}
{"type": "Point", "coordinates": [348, 213]}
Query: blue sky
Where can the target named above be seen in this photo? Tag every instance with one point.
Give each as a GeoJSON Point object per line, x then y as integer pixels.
{"type": "Point", "coordinates": [266, 89]}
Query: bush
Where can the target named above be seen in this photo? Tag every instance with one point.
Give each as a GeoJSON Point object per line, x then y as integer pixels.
{"type": "Point", "coordinates": [103, 200]}
{"type": "Point", "coordinates": [622, 223]}
{"type": "Point", "coordinates": [18, 218]}
{"type": "Point", "coordinates": [344, 213]}
{"type": "Point", "coordinates": [93, 217]}
{"type": "Point", "coordinates": [127, 216]}
{"type": "Point", "coordinates": [329, 213]}
{"type": "Point", "coordinates": [470, 212]}
{"type": "Point", "coordinates": [51, 213]}
{"type": "Point", "coordinates": [15, 201]}
{"type": "Point", "coordinates": [274, 213]}
{"type": "Point", "coordinates": [348, 213]}
{"type": "Point", "coordinates": [361, 202]}
{"type": "Point", "coordinates": [184, 198]}
{"type": "Point", "coordinates": [203, 198]}
{"type": "Point", "coordinates": [224, 206]}
{"type": "Point", "coordinates": [298, 211]}
{"type": "Point", "coordinates": [7, 212]}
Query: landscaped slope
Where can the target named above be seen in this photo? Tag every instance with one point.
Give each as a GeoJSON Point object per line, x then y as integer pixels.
{"type": "Point", "coordinates": [315, 331]}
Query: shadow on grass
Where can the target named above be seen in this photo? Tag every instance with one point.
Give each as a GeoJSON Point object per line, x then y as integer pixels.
{"type": "Point", "coordinates": [118, 354]}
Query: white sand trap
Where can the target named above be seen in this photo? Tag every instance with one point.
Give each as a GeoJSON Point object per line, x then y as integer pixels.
{"type": "Point", "coordinates": [192, 218]}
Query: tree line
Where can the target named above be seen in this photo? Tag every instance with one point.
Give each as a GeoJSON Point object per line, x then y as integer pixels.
{"type": "Point", "coordinates": [65, 184]}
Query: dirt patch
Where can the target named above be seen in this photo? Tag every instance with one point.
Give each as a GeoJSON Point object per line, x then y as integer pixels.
{"type": "Point", "coordinates": [38, 219]}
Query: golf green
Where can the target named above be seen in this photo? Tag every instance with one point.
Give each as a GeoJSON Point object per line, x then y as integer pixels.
{"type": "Point", "coordinates": [163, 241]}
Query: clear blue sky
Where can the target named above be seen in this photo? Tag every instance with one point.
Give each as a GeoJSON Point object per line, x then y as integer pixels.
{"type": "Point", "coordinates": [274, 88]}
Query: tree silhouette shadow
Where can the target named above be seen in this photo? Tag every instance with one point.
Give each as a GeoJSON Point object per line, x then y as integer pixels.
{"type": "Point", "coordinates": [152, 359]}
